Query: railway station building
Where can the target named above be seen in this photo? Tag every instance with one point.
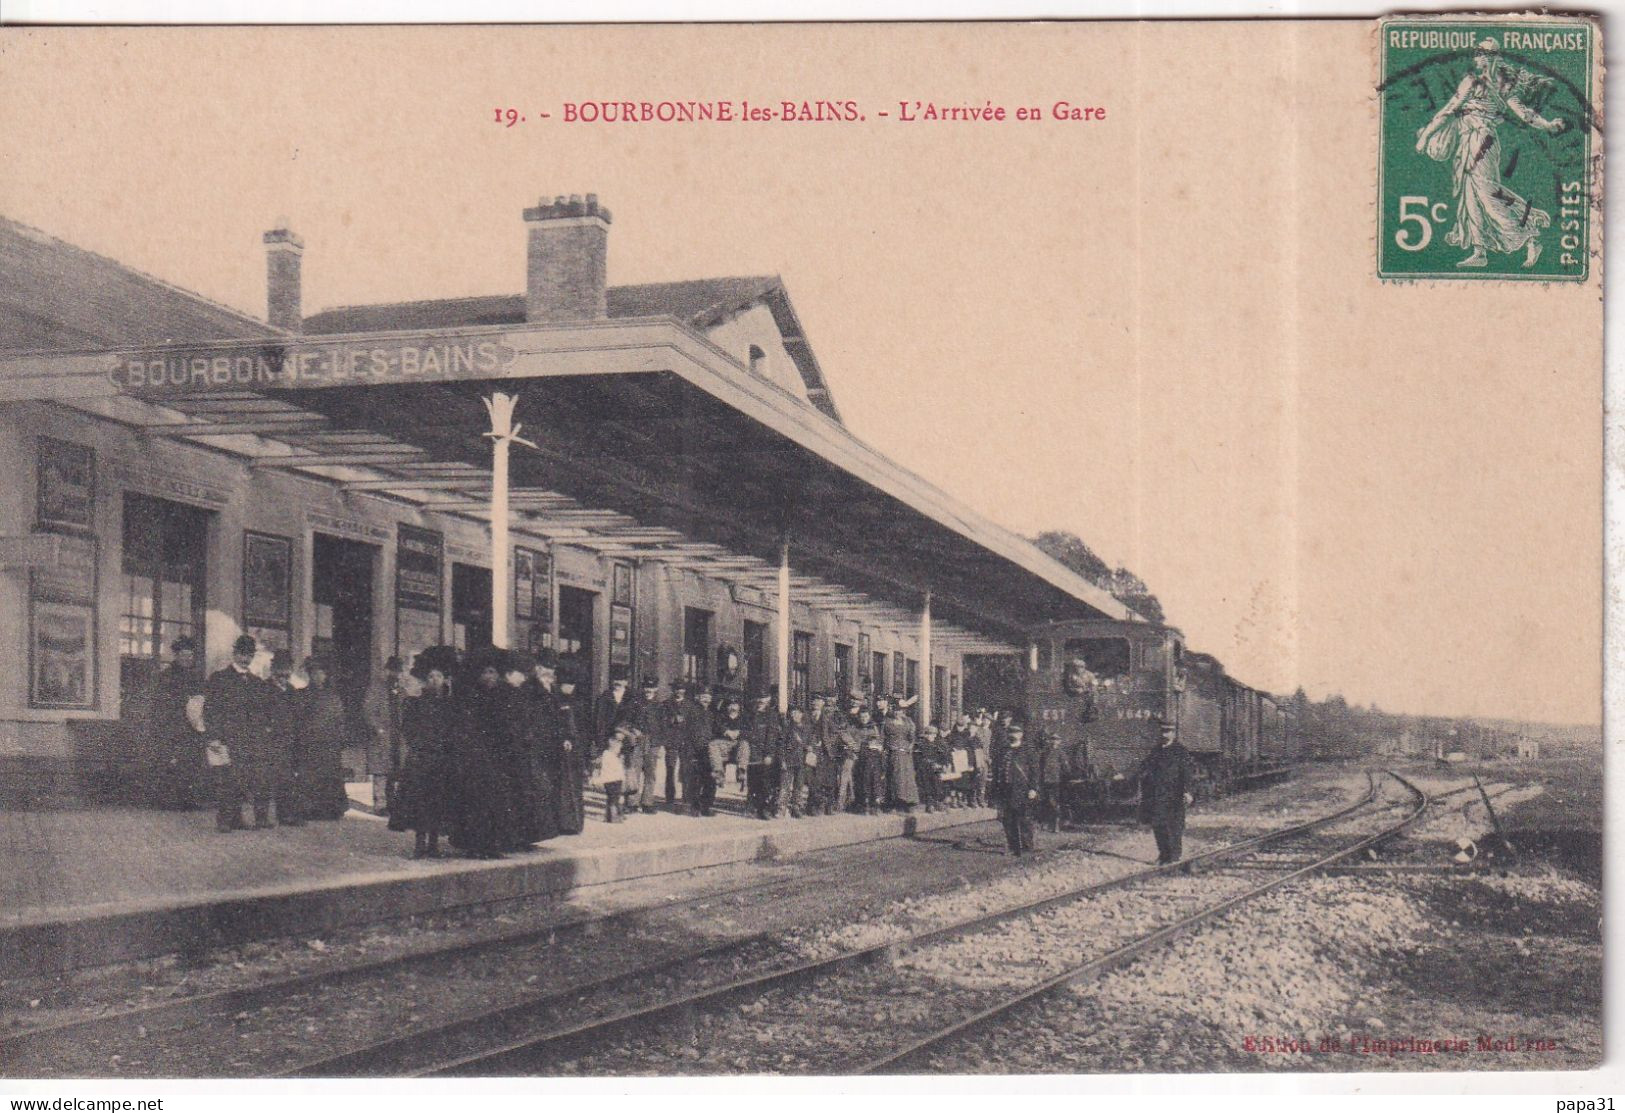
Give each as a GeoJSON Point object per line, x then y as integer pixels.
{"type": "Point", "coordinates": [683, 500]}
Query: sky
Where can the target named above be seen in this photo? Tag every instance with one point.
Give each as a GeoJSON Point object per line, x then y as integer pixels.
{"type": "Point", "coordinates": [1160, 330]}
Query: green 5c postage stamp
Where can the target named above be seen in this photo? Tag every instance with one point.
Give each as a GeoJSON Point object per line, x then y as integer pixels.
{"type": "Point", "coordinates": [1485, 163]}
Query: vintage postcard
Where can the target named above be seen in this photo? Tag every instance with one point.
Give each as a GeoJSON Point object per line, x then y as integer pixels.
{"type": "Point", "coordinates": [842, 550]}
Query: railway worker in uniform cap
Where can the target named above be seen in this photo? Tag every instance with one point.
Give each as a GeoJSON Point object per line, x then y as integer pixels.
{"type": "Point", "coordinates": [1165, 782]}
{"type": "Point", "coordinates": [672, 723]}
{"type": "Point", "coordinates": [234, 718]}
{"type": "Point", "coordinates": [1015, 783]}
{"type": "Point", "coordinates": [644, 721]}
{"type": "Point", "coordinates": [1049, 762]}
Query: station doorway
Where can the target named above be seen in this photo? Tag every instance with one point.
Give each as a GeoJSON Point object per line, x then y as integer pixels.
{"type": "Point", "coordinates": [470, 606]}
{"type": "Point", "coordinates": [578, 609]}
{"type": "Point", "coordinates": [342, 574]}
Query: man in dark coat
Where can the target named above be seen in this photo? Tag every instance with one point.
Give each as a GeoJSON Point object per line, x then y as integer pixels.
{"type": "Point", "coordinates": [672, 732]}
{"type": "Point", "coordinates": [610, 712]}
{"type": "Point", "coordinates": [1015, 781]}
{"type": "Point", "coordinates": [285, 741]}
{"type": "Point", "coordinates": [234, 716]}
{"type": "Point", "coordinates": [645, 718]}
{"type": "Point", "coordinates": [1165, 783]}
{"type": "Point", "coordinates": [699, 777]}
{"type": "Point", "coordinates": [175, 746]}
{"type": "Point", "coordinates": [1051, 766]}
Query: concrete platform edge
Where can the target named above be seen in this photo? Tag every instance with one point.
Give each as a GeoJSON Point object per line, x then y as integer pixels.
{"type": "Point", "coordinates": [96, 939]}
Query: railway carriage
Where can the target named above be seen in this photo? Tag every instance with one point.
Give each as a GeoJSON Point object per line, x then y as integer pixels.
{"type": "Point", "coordinates": [1103, 686]}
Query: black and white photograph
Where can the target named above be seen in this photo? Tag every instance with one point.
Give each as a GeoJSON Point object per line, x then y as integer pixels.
{"type": "Point", "coordinates": [828, 550]}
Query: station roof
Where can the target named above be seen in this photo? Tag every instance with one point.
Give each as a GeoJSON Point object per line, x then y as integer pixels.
{"type": "Point", "coordinates": [649, 441]}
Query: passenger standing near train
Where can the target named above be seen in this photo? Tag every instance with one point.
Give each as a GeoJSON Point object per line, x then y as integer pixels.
{"type": "Point", "coordinates": [326, 727]}
{"type": "Point", "coordinates": [674, 741]}
{"type": "Point", "coordinates": [929, 761]}
{"type": "Point", "coordinates": [285, 742]}
{"type": "Point", "coordinates": [571, 768]}
{"type": "Point", "coordinates": [1016, 786]}
{"type": "Point", "coordinates": [699, 779]}
{"type": "Point", "coordinates": [728, 742]}
{"type": "Point", "coordinates": [1051, 765]}
{"type": "Point", "coordinates": [902, 789]}
{"type": "Point", "coordinates": [484, 813]}
{"type": "Point", "coordinates": [731, 724]}
{"type": "Point", "coordinates": [1165, 783]}
{"type": "Point", "coordinates": [608, 713]}
{"type": "Point", "coordinates": [761, 757]}
{"type": "Point", "coordinates": [234, 713]}
{"type": "Point", "coordinates": [173, 745]}
{"type": "Point", "coordinates": [870, 789]}
{"type": "Point", "coordinates": [794, 745]}
{"type": "Point", "coordinates": [423, 802]}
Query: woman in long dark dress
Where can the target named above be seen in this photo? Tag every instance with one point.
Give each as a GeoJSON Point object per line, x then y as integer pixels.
{"type": "Point", "coordinates": [570, 771]}
{"type": "Point", "coordinates": [519, 746]}
{"type": "Point", "coordinates": [537, 713]}
{"type": "Point", "coordinates": [425, 801]}
{"type": "Point", "coordinates": [325, 727]}
{"type": "Point", "coordinates": [484, 824]}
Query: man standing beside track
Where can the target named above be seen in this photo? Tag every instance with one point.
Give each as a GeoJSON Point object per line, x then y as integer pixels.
{"type": "Point", "coordinates": [1015, 783]}
{"type": "Point", "coordinates": [1165, 780]}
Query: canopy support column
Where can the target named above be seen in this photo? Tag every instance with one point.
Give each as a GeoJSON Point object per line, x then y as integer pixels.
{"type": "Point", "coordinates": [784, 626]}
{"type": "Point", "coordinates": [922, 712]}
{"type": "Point", "coordinates": [503, 433]}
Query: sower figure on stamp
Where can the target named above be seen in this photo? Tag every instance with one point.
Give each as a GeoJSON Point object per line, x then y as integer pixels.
{"type": "Point", "coordinates": [1015, 783]}
{"type": "Point", "coordinates": [1165, 782]}
{"type": "Point", "coordinates": [1489, 216]}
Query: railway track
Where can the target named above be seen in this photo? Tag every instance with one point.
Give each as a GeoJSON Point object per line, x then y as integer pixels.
{"type": "Point", "coordinates": [667, 1024]}
{"type": "Point", "coordinates": [28, 1051]}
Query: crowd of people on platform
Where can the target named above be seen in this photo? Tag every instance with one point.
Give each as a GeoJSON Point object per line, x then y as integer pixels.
{"type": "Point", "coordinates": [493, 752]}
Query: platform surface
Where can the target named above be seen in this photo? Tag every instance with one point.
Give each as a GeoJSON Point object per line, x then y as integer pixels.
{"type": "Point", "coordinates": [94, 885]}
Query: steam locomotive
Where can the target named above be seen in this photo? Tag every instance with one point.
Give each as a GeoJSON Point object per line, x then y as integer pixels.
{"type": "Point", "coordinates": [1103, 687]}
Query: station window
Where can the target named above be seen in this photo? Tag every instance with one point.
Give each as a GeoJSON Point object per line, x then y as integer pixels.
{"type": "Point", "coordinates": [696, 646]}
{"type": "Point", "coordinates": [1046, 655]}
{"type": "Point", "coordinates": [881, 672]}
{"type": "Point", "coordinates": [911, 679]}
{"type": "Point", "coordinates": [899, 675]}
{"type": "Point", "coordinates": [801, 651]}
{"type": "Point", "coordinates": [165, 546]}
{"type": "Point", "coordinates": [1105, 657]}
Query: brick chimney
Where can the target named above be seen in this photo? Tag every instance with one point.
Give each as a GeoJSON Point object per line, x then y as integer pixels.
{"type": "Point", "coordinates": [566, 266]}
{"type": "Point", "coordinates": [282, 293]}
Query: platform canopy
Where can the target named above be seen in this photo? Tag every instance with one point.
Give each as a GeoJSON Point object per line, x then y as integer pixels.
{"type": "Point", "coordinates": [650, 441]}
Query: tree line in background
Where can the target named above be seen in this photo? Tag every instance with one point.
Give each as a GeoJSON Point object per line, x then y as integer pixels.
{"type": "Point", "coordinates": [1330, 728]}
{"type": "Point", "coordinates": [1124, 586]}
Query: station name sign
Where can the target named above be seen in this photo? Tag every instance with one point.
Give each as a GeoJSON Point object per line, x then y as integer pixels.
{"type": "Point", "coordinates": [301, 364]}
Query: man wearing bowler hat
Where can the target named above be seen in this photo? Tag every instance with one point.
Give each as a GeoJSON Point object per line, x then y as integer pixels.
{"type": "Point", "coordinates": [1165, 783]}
